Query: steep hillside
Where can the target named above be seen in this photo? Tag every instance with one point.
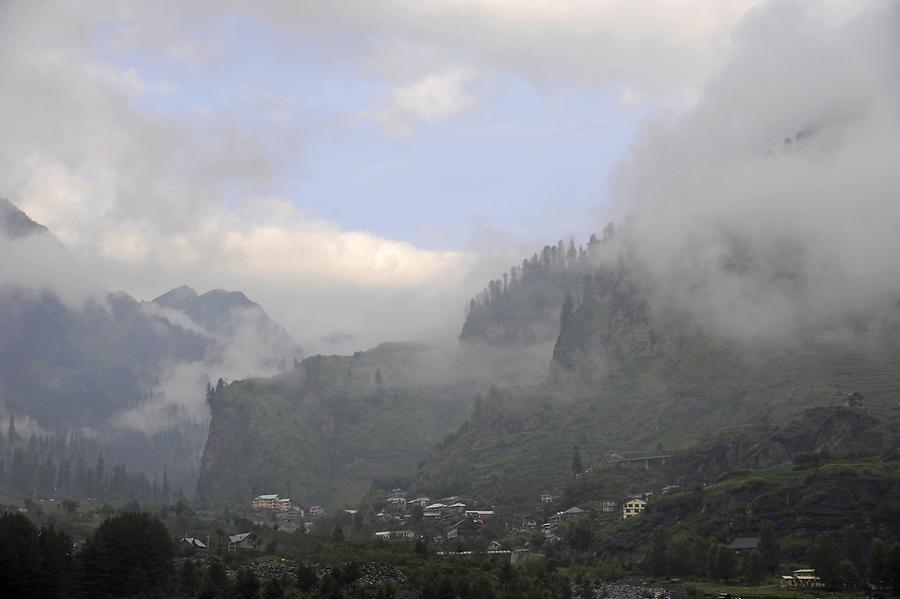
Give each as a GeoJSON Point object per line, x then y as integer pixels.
{"type": "Point", "coordinates": [522, 307]}
{"type": "Point", "coordinates": [811, 438]}
{"type": "Point", "coordinates": [324, 431]}
{"type": "Point", "coordinates": [627, 379]}
{"type": "Point", "coordinates": [801, 501]}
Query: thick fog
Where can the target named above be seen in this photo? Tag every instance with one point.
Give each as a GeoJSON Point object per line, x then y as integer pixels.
{"type": "Point", "coordinates": [772, 204]}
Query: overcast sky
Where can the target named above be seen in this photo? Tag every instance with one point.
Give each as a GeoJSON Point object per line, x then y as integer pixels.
{"type": "Point", "coordinates": [358, 167]}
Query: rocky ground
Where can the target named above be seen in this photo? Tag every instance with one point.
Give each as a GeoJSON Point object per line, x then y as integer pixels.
{"type": "Point", "coordinates": [629, 590]}
{"type": "Point", "coordinates": [367, 573]}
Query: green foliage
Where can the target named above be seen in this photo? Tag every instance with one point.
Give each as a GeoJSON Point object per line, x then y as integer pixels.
{"type": "Point", "coordinates": [892, 567]}
{"type": "Point", "coordinates": [129, 555]}
{"type": "Point", "coordinates": [754, 567]}
{"type": "Point", "coordinates": [657, 560]}
{"type": "Point", "coordinates": [687, 557]}
{"type": "Point", "coordinates": [848, 575]}
{"type": "Point", "coordinates": [246, 584]}
{"type": "Point", "coordinates": [188, 578]}
{"type": "Point", "coordinates": [769, 547]}
{"type": "Point", "coordinates": [577, 466]}
{"type": "Point", "coordinates": [854, 547]}
{"type": "Point", "coordinates": [877, 566]}
{"type": "Point", "coordinates": [215, 581]}
{"type": "Point", "coordinates": [825, 556]}
{"type": "Point", "coordinates": [19, 556]}
{"type": "Point", "coordinates": [578, 534]}
{"type": "Point", "coordinates": [722, 563]}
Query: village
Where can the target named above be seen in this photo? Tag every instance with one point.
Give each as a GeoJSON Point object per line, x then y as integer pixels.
{"type": "Point", "coordinates": [456, 526]}
{"type": "Point", "coordinates": [452, 527]}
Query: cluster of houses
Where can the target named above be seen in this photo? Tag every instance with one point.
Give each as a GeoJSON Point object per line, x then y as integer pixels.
{"type": "Point", "coordinates": [631, 506]}
{"type": "Point", "coordinates": [463, 523]}
{"type": "Point", "coordinates": [244, 541]}
{"type": "Point", "coordinates": [284, 508]}
{"type": "Point", "coordinates": [399, 507]}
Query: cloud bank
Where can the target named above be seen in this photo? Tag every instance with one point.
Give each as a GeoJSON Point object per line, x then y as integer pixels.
{"type": "Point", "coordinates": [153, 195]}
{"type": "Point", "coordinates": [772, 204]}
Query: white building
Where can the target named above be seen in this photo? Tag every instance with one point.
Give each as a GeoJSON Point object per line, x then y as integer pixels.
{"type": "Point", "coordinates": [633, 507]}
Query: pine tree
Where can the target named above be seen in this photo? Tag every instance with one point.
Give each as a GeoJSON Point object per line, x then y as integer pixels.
{"type": "Point", "coordinates": [854, 548]}
{"type": "Point", "coordinates": [99, 474]}
{"type": "Point", "coordinates": [11, 434]}
{"type": "Point", "coordinates": [577, 466]}
{"type": "Point", "coordinates": [129, 554]}
{"type": "Point", "coordinates": [825, 556]}
{"type": "Point", "coordinates": [187, 578]}
{"type": "Point", "coordinates": [247, 584]}
{"type": "Point", "coordinates": [769, 547]}
{"type": "Point", "coordinates": [754, 568]}
{"type": "Point", "coordinates": [876, 568]}
{"type": "Point", "coordinates": [658, 556]}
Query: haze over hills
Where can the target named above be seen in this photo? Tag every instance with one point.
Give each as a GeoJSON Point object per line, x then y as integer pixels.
{"type": "Point", "coordinates": [128, 373]}
{"type": "Point", "coordinates": [618, 375]}
{"type": "Point", "coordinates": [446, 299]}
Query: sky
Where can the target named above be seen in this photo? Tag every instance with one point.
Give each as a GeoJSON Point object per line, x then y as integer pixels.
{"type": "Point", "coordinates": [361, 168]}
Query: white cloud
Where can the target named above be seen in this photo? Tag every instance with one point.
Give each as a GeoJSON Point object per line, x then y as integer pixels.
{"type": "Point", "coordinates": [433, 98]}
{"type": "Point", "coordinates": [658, 48]}
{"type": "Point", "coordinates": [437, 97]}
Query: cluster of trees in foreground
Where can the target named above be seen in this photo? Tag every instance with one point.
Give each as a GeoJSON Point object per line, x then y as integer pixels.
{"type": "Point", "coordinates": [133, 554]}
{"type": "Point", "coordinates": [850, 564]}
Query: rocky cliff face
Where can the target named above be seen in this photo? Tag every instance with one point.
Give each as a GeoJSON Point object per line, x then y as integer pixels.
{"type": "Point", "coordinates": [836, 430]}
{"type": "Point", "coordinates": [819, 431]}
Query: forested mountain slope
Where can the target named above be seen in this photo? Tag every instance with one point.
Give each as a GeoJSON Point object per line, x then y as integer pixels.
{"type": "Point", "coordinates": [324, 431]}
{"type": "Point", "coordinates": [522, 307]}
{"type": "Point", "coordinates": [628, 377]}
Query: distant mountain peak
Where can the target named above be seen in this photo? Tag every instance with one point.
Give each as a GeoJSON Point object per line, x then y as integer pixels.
{"type": "Point", "coordinates": [176, 297]}
{"type": "Point", "coordinates": [237, 298]}
{"type": "Point", "coordinates": [220, 311]}
{"type": "Point", "coordinates": [14, 223]}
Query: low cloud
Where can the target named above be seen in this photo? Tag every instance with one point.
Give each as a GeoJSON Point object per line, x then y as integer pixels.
{"type": "Point", "coordinates": [771, 205]}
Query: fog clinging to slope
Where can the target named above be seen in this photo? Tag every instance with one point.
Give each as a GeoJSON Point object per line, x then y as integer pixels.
{"type": "Point", "coordinates": [773, 202]}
